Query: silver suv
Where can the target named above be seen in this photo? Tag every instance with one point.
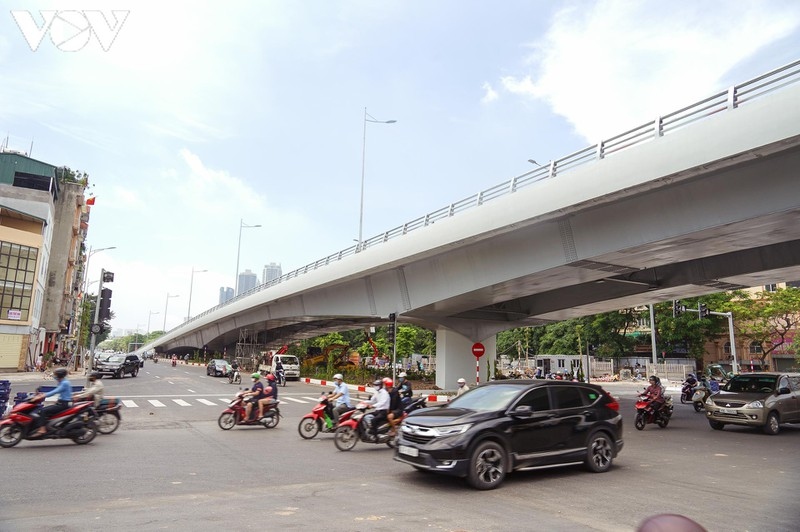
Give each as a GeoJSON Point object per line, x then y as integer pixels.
{"type": "Point", "coordinates": [763, 399]}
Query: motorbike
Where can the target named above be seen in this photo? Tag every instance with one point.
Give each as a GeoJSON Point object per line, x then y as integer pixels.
{"type": "Point", "coordinates": [660, 417]}
{"type": "Point", "coordinates": [234, 377]}
{"type": "Point", "coordinates": [703, 391]}
{"type": "Point", "coordinates": [320, 419]}
{"type": "Point", "coordinates": [174, 362]}
{"type": "Point", "coordinates": [687, 391]}
{"type": "Point", "coordinates": [358, 427]}
{"type": "Point", "coordinates": [155, 360]}
{"type": "Point", "coordinates": [76, 423]}
{"type": "Point", "coordinates": [108, 418]}
{"type": "Point", "coordinates": [281, 377]}
{"type": "Point", "coordinates": [234, 414]}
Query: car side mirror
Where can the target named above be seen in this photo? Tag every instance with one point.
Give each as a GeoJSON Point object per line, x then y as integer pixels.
{"type": "Point", "coordinates": [522, 411]}
{"type": "Point", "coordinates": [783, 391]}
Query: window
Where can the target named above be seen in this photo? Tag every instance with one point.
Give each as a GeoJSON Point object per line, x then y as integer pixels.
{"type": "Point", "coordinates": [770, 288]}
{"type": "Point", "coordinates": [567, 397]}
{"type": "Point", "coordinates": [755, 348]}
{"type": "Point", "coordinates": [17, 271]}
{"type": "Point", "coordinates": [537, 399]}
{"type": "Point", "coordinates": [727, 348]}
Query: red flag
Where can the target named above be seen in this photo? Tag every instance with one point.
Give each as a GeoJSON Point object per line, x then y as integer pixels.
{"type": "Point", "coordinates": [90, 201]}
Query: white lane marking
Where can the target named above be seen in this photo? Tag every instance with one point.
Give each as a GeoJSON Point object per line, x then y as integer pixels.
{"type": "Point", "coordinates": [314, 399]}
{"type": "Point", "coordinates": [156, 402]}
{"type": "Point", "coordinates": [225, 401]}
{"type": "Point", "coordinates": [158, 376]}
{"type": "Point", "coordinates": [181, 402]}
{"type": "Point", "coordinates": [190, 391]}
{"type": "Point", "coordinates": [129, 403]}
{"type": "Point", "coordinates": [170, 382]}
{"type": "Point", "coordinates": [284, 398]}
{"type": "Point", "coordinates": [207, 402]}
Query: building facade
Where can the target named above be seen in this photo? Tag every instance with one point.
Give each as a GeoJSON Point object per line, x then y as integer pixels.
{"type": "Point", "coordinates": [225, 294]}
{"type": "Point", "coordinates": [247, 281]}
{"type": "Point", "coordinates": [271, 272]}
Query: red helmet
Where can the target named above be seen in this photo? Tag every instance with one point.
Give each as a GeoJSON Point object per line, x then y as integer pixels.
{"type": "Point", "coordinates": [270, 377]}
{"type": "Point", "coordinates": [388, 382]}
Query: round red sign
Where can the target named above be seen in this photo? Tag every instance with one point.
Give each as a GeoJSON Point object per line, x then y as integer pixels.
{"type": "Point", "coordinates": [478, 350]}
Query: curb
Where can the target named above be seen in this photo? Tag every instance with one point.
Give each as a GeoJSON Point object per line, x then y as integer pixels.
{"type": "Point", "coordinates": [429, 398]}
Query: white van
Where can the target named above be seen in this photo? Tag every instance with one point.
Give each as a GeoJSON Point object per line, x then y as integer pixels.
{"type": "Point", "coordinates": [291, 366]}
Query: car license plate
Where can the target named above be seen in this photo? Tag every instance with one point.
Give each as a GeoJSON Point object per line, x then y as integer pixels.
{"type": "Point", "coordinates": [727, 411]}
{"type": "Point", "coordinates": [410, 451]}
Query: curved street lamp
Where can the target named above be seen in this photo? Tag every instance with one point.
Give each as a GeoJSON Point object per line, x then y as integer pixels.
{"type": "Point", "coordinates": [367, 118]}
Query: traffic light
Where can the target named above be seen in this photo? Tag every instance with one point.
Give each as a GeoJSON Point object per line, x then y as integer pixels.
{"type": "Point", "coordinates": [105, 304]}
{"type": "Point", "coordinates": [677, 308]}
{"type": "Point", "coordinates": [391, 328]}
{"type": "Point", "coordinates": [703, 310]}
{"type": "Point", "coordinates": [108, 277]}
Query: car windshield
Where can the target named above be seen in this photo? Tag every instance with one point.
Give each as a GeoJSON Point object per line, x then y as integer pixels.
{"type": "Point", "coordinates": [115, 358]}
{"type": "Point", "coordinates": [488, 398]}
{"type": "Point", "coordinates": [752, 383]}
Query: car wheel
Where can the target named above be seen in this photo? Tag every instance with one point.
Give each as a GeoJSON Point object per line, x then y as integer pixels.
{"type": "Point", "coordinates": [640, 422]}
{"type": "Point", "coordinates": [773, 426]}
{"type": "Point", "coordinates": [600, 452]}
{"type": "Point", "coordinates": [698, 406]}
{"type": "Point", "coordinates": [226, 420]}
{"type": "Point", "coordinates": [308, 428]}
{"type": "Point", "coordinates": [120, 374]}
{"type": "Point", "coordinates": [10, 435]}
{"type": "Point", "coordinates": [345, 438]}
{"type": "Point", "coordinates": [716, 425]}
{"type": "Point", "coordinates": [107, 423]}
{"type": "Point", "coordinates": [135, 372]}
{"type": "Point", "coordinates": [487, 466]}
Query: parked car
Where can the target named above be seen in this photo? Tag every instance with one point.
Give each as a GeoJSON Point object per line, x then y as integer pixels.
{"type": "Point", "coordinates": [218, 368]}
{"type": "Point", "coordinates": [118, 366]}
{"type": "Point", "coordinates": [763, 399]}
{"type": "Point", "coordinates": [503, 426]}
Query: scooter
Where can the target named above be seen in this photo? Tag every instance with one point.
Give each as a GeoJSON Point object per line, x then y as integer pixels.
{"type": "Point", "coordinates": [234, 377]}
{"type": "Point", "coordinates": [174, 362]}
{"type": "Point", "coordinates": [660, 417]}
{"type": "Point", "coordinates": [320, 419]}
{"type": "Point", "coordinates": [281, 377]}
{"type": "Point", "coordinates": [108, 418]}
{"type": "Point", "coordinates": [703, 391]}
{"type": "Point", "coordinates": [76, 423]}
{"type": "Point", "coordinates": [687, 391]}
{"type": "Point", "coordinates": [234, 414]}
{"type": "Point", "coordinates": [359, 427]}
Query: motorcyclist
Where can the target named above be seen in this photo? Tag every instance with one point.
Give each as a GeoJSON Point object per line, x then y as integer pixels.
{"type": "Point", "coordinates": [279, 368]}
{"type": "Point", "coordinates": [94, 389]}
{"type": "Point", "coordinates": [380, 401]}
{"type": "Point", "coordinates": [340, 398]}
{"type": "Point", "coordinates": [253, 396]}
{"type": "Point", "coordinates": [404, 387]}
{"type": "Point", "coordinates": [654, 394]}
{"type": "Point", "coordinates": [270, 395]}
{"type": "Point", "coordinates": [395, 413]}
{"type": "Point", "coordinates": [689, 385]}
{"type": "Point", "coordinates": [64, 391]}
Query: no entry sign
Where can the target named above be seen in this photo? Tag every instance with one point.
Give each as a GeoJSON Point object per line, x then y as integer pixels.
{"type": "Point", "coordinates": [478, 350]}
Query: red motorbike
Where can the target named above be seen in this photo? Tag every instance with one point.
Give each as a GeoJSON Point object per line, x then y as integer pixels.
{"type": "Point", "coordinates": [645, 415]}
{"type": "Point", "coordinates": [234, 414]}
{"type": "Point", "coordinates": [359, 427]}
{"type": "Point", "coordinates": [76, 423]}
{"type": "Point", "coordinates": [320, 419]}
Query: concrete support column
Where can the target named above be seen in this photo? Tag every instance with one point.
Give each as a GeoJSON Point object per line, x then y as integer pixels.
{"type": "Point", "coordinates": [454, 359]}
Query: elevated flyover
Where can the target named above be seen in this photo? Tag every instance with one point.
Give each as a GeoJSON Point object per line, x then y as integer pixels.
{"type": "Point", "coordinates": [700, 200]}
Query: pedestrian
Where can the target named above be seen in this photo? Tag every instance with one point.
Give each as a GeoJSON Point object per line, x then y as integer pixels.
{"type": "Point", "coordinates": [462, 387]}
{"type": "Point", "coordinates": [40, 362]}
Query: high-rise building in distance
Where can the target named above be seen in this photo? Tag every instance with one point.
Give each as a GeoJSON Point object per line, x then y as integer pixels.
{"type": "Point", "coordinates": [225, 293]}
{"type": "Point", "coordinates": [247, 281]}
{"type": "Point", "coordinates": [271, 271]}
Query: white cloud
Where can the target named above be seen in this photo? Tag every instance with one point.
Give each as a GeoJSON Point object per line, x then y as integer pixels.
{"type": "Point", "coordinates": [616, 64]}
{"type": "Point", "coordinates": [489, 94]}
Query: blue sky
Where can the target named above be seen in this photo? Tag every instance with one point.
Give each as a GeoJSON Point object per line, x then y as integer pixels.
{"type": "Point", "coordinates": [200, 114]}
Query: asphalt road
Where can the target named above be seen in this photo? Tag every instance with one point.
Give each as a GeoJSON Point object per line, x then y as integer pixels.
{"type": "Point", "coordinates": [170, 467]}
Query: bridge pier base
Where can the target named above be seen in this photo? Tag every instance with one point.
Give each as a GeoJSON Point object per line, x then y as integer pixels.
{"type": "Point", "coordinates": [454, 359]}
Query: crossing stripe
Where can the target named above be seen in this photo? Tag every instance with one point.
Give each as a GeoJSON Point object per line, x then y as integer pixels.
{"type": "Point", "coordinates": [224, 401]}
{"type": "Point", "coordinates": [285, 398]}
{"type": "Point", "coordinates": [313, 399]}
{"type": "Point", "coordinates": [207, 402]}
{"type": "Point", "coordinates": [156, 402]}
{"type": "Point", "coordinates": [129, 403]}
{"type": "Point", "coordinates": [181, 402]}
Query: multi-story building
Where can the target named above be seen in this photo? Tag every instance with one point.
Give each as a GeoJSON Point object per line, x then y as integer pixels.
{"type": "Point", "coordinates": [247, 281]}
{"type": "Point", "coordinates": [41, 234]}
{"type": "Point", "coordinates": [225, 293]}
{"type": "Point", "coordinates": [271, 271]}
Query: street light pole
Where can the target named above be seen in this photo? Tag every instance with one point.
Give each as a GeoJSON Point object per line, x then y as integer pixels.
{"type": "Point", "coordinates": [242, 225]}
{"type": "Point", "coordinates": [191, 286]}
{"type": "Point", "coordinates": [148, 321]}
{"type": "Point", "coordinates": [367, 118]}
{"type": "Point", "coordinates": [88, 258]}
{"type": "Point", "coordinates": [165, 310]}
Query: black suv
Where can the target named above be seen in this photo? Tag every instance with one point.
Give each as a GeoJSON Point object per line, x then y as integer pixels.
{"type": "Point", "coordinates": [507, 425]}
{"type": "Point", "coordinates": [118, 366]}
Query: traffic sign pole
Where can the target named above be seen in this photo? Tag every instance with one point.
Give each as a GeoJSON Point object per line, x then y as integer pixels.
{"type": "Point", "coordinates": [478, 350]}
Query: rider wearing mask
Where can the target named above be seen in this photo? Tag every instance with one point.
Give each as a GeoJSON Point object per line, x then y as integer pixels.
{"type": "Point", "coordinates": [94, 389]}
{"type": "Point", "coordinates": [654, 394]}
{"type": "Point", "coordinates": [254, 395]}
{"type": "Point", "coordinates": [64, 391]}
{"type": "Point", "coordinates": [380, 400]}
{"type": "Point", "coordinates": [395, 413]}
{"type": "Point", "coordinates": [340, 398]}
{"type": "Point", "coordinates": [404, 387]}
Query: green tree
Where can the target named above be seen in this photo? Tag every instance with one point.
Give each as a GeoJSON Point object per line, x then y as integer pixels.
{"type": "Point", "coordinates": [766, 318]}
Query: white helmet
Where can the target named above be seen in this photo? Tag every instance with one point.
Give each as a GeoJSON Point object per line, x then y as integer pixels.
{"type": "Point", "coordinates": [461, 381]}
{"type": "Point", "coordinates": [403, 375]}
{"type": "Point", "coordinates": [338, 376]}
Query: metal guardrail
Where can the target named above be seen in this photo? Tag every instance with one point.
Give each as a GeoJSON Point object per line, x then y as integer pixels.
{"type": "Point", "coordinates": [723, 101]}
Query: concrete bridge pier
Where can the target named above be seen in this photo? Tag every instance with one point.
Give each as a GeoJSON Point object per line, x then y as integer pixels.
{"type": "Point", "coordinates": [454, 359]}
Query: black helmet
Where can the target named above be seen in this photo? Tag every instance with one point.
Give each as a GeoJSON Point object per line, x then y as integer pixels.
{"type": "Point", "coordinates": [60, 373]}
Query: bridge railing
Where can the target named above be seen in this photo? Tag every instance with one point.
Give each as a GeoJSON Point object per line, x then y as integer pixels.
{"type": "Point", "coordinates": [723, 101]}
